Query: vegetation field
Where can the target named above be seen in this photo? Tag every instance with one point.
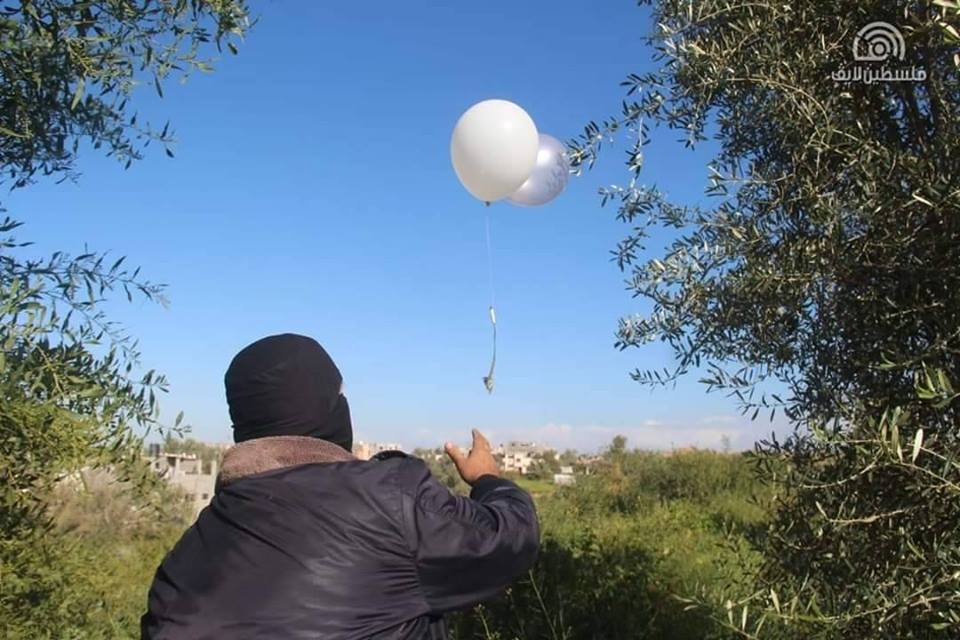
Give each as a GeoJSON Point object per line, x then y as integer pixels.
{"type": "Point", "coordinates": [618, 549]}
{"type": "Point", "coordinates": [623, 547]}
{"type": "Point", "coordinates": [536, 486]}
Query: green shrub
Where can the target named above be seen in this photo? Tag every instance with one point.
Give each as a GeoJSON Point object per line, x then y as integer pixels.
{"type": "Point", "coordinates": [621, 545]}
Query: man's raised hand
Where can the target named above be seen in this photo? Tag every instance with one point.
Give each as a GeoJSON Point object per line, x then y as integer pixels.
{"type": "Point", "coordinates": [478, 463]}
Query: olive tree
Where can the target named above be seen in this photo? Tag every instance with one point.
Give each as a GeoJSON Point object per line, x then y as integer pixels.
{"type": "Point", "coordinates": [68, 69]}
{"type": "Point", "coordinates": [73, 393]}
{"type": "Point", "coordinates": [823, 282]}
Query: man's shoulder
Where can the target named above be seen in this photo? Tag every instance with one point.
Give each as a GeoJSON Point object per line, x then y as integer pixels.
{"type": "Point", "coordinates": [410, 474]}
{"type": "Point", "coordinates": [385, 464]}
{"type": "Point", "coordinates": [407, 468]}
{"type": "Point", "coordinates": [388, 455]}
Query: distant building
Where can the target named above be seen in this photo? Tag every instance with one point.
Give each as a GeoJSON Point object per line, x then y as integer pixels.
{"type": "Point", "coordinates": [564, 479]}
{"type": "Point", "coordinates": [589, 463]}
{"type": "Point", "coordinates": [366, 450]}
{"type": "Point", "coordinates": [185, 470]}
{"type": "Point", "coordinates": [519, 456]}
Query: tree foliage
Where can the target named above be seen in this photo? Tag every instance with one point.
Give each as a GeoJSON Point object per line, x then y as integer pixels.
{"type": "Point", "coordinates": [73, 394]}
{"type": "Point", "coordinates": [545, 464]}
{"type": "Point", "coordinates": [67, 70]}
{"type": "Point", "coordinates": [823, 283]}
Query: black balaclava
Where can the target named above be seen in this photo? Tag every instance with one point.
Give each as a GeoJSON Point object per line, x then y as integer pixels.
{"type": "Point", "coordinates": [287, 385]}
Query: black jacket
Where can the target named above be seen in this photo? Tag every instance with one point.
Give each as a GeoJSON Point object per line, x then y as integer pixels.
{"type": "Point", "coordinates": [350, 549]}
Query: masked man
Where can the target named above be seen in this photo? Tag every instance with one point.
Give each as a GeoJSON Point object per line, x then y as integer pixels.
{"type": "Point", "coordinates": [303, 540]}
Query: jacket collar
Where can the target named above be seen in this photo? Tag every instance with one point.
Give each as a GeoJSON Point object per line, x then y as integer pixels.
{"type": "Point", "coordinates": [277, 452]}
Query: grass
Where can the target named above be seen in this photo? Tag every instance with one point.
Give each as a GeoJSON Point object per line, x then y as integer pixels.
{"type": "Point", "coordinates": [535, 487]}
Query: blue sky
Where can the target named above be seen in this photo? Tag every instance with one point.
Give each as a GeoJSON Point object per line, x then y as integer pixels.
{"type": "Point", "coordinates": [312, 192]}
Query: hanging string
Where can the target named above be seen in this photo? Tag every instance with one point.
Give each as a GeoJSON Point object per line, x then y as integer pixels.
{"type": "Point", "coordinates": [490, 259]}
{"type": "Point", "coordinates": [488, 379]}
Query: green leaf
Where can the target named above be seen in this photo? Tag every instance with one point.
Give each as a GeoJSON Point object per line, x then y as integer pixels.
{"type": "Point", "coordinates": [78, 93]}
{"type": "Point", "coordinates": [917, 442]}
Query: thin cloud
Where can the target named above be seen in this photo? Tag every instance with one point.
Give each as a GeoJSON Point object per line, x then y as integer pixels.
{"type": "Point", "coordinates": [725, 419]}
{"type": "Point", "coordinates": [649, 434]}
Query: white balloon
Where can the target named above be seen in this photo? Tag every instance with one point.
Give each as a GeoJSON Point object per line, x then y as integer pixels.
{"type": "Point", "coordinates": [549, 176]}
{"type": "Point", "coordinates": [494, 148]}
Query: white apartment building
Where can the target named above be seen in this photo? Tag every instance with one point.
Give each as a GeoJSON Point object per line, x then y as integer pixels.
{"type": "Point", "coordinates": [519, 456]}
{"type": "Point", "coordinates": [185, 471]}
